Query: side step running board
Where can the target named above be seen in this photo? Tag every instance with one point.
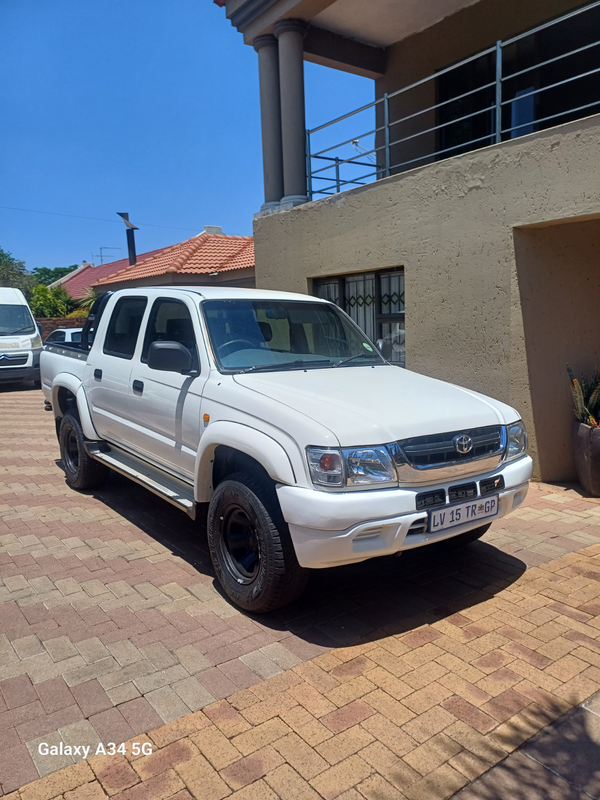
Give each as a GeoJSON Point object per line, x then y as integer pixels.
{"type": "Point", "coordinates": [176, 492]}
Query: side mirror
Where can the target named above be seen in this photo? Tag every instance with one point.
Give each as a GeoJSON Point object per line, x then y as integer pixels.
{"type": "Point", "coordinates": [169, 357]}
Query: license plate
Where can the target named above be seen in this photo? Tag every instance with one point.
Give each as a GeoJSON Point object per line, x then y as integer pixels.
{"type": "Point", "coordinates": [448, 517]}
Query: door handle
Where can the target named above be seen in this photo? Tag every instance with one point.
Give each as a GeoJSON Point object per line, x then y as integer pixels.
{"type": "Point", "coordinates": [98, 374]}
{"type": "Point", "coordinates": [138, 386]}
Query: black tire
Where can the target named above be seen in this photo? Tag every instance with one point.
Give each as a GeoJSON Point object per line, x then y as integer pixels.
{"type": "Point", "coordinates": [250, 545]}
{"type": "Point", "coordinates": [470, 536]}
{"type": "Point", "coordinates": [81, 471]}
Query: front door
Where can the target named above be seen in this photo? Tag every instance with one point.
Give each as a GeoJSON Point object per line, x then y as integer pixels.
{"type": "Point", "coordinates": [165, 406]}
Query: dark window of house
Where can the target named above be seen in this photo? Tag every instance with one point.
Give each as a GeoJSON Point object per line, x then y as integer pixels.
{"type": "Point", "coordinates": [124, 327]}
{"type": "Point", "coordinates": [541, 86]}
{"type": "Point", "coordinates": [170, 321]}
{"type": "Point", "coordinates": [375, 301]}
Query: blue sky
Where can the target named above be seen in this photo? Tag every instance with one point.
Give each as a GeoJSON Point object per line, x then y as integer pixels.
{"type": "Point", "coordinates": [124, 105]}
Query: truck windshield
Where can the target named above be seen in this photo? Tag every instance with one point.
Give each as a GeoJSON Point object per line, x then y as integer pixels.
{"type": "Point", "coordinates": [15, 319]}
{"type": "Point", "coordinates": [261, 335]}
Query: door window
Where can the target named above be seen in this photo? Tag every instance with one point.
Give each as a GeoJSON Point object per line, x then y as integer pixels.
{"type": "Point", "coordinates": [124, 327]}
{"type": "Point", "coordinates": [170, 321]}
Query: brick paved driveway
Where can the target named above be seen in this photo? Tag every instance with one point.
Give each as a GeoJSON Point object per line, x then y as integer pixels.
{"type": "Point", "coordinates": [111, 625]}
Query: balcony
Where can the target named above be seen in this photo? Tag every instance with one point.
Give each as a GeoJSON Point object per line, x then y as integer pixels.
{"type": "Point", "coordinates": [522, 85]}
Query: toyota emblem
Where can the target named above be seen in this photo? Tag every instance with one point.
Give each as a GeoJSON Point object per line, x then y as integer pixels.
{"type": "Point", "coordinates": [463, 444]}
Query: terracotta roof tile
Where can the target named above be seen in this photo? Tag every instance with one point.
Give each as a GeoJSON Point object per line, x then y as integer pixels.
{"type": "Point", "coordinates": [199, 255]}
{"type": "Point", "coordinates": [84, 278]}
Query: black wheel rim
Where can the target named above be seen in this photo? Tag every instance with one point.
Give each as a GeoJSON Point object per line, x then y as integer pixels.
{"type": "Point", "coordinates": [240, 545]}
{"type": "Point", "coordinates": [71, 452]}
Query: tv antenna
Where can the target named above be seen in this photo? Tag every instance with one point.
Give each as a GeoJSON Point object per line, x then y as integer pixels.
{"type": "Point", "coordinates": [101, 256]}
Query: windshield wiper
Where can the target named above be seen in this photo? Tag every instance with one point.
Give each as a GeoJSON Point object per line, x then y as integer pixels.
{"type": "Point", "coordinates": [348, 359]}
{"type": "Point", "coordinates": [285, 365]}
{"type": "Point", "coordinates": [12, 333]}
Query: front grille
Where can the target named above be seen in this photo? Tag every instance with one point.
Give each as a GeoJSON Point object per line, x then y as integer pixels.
{"type": "Point", "coordinates": [430, 499]}
{"type": "Point", "coordinates": [422, 452]}
{"type": "Point", "coordinates": [490, 485]}
{"type": "Point", "coordinates": [9, 360]}
{"type": "Point", "coordinates": [465, 492]}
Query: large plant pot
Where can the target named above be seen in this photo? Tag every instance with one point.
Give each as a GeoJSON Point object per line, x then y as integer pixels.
{"type": "Point", "coordinates": [586, 449]}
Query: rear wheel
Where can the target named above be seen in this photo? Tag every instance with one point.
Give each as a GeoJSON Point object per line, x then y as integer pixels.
{"type": "Point", "coordinates": [250, 545]}
{"type": "Point", "coordinates": [81, 471]}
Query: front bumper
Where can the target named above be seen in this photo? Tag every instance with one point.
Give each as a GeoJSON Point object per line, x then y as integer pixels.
{"type": "Point", "coordinates": [329, 529]}
{"type": "Point", "coordinates": [29, 371]}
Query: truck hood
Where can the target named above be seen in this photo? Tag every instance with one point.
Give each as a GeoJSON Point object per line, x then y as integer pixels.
{"type": "Point", "coordinates": [375, 405]}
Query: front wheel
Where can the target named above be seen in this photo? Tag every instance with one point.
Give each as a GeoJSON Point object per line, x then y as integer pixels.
{"type": "Point", "coordinates": [81, 471]}
{"type": "Point", "coordinates": [250, 545]}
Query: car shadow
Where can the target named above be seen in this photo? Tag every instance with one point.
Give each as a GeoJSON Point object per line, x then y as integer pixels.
{"type": "Point", "coordinates": [341, 605]}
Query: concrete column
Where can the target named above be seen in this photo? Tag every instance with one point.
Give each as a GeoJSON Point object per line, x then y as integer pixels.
{"type": "Point", "coordinates": [270, 118]}
{"type": "Point", "coordinates": [290, 33]}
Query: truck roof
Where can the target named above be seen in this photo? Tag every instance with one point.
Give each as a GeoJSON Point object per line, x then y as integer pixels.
{"type": "Point", "coordinates": [221, 293]}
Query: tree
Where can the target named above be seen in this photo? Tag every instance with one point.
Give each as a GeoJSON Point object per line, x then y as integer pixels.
{"type": "Point", "coordinates": [88, 299]}
{"type": "Point", "coordinates": [46, 303]}
{"type": "Point", "coordinates": [14, 274]}
{"type": "Point", "coordinates": [46, 275]}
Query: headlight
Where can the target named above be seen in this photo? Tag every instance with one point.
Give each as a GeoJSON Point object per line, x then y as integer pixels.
{"type": "Point", "coordinates": [36, 341]}
{"type": "Point", "coordinates": [353, 466]}
{"type": "Point", "coordinates": [369, 465]}
{"type": "Point", "coordinates": [517, 440]}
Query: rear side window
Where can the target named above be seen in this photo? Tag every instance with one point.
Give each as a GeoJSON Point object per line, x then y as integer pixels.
{"type": "Point", "coordinates": [124, 327]}
{"type": "Point", "coordinates": [57, 336]}
{"type": "Point", "coordinates": [76, 337]}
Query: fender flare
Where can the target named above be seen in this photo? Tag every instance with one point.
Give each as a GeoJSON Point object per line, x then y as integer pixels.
{"type": "Point", "coordinates": [254, 443]}
{"type": "Point", "coordinates": [64, 380]}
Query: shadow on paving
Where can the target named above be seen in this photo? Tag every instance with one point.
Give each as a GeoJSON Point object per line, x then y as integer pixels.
{"type": "Point", "coordinates": [341, 605]}
{"type": "Point", "coordinates": [560, 763]}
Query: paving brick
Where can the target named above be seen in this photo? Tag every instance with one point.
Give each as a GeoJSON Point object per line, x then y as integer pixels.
{"type": "Point", "coordinates": [91, 697]}
{"type": "Point", "coordinates": [193, 694]}
{"type": "Point", "coordinates": [112, 726]}
{"type": "Point", "coordinates": [28, 646]}
{"type": "Point", "coordinates": [60, 648]}
{"type": "Point", "coordinates": [140, 715]}
{"type": "Point", "coordinates": [341, 777]}
{"type": "Point", "coordinates": [117, 776]}
{"type": "Point", "coordinates": [226, 718]}
{"type": "Point", "coordinates": [167, 704]}
{"type": "Point", "coordinates": [202, 780]}
{"type": "Point", "coordinates": [215, 746]}
{"type": "Point", "coordinates": [251, 768]}
{"type": "Point", "coordinates": [288, 785]}
{"type": "Point", "coordinates": [18, 691]}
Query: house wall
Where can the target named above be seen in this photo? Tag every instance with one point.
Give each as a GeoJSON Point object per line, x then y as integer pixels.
{"type": "Point", "coordinates": [452, 226]}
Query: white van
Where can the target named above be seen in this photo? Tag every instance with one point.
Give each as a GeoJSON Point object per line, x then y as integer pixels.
{"type": "Point", "coordinates": [20, 340]}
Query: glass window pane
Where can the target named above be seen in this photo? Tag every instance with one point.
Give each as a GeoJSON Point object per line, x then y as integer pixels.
{"type": "Point", "coordinates": [392, 293]}
{"type": "Point", "coordinates": [360, 301]}
{"type": "Point", "coordinates": [170, 321]}
{"type": "Point", "coordinates": [393, 337]}
{"type": "Point", "coordinates": [124, 327]}
{"type": "Point", "coordinates": [328, 290]}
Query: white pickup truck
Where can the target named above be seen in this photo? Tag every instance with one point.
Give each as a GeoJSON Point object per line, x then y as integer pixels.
{"type": "Point", "coordinates": [311, 450]}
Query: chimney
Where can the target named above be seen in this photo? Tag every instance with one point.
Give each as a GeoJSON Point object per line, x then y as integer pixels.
{"type": "Point", "coordinates": [214, 230]}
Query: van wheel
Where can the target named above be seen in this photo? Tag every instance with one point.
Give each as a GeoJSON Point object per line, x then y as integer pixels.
{"type": "Point", "coordinates": [469, 536]}
{"type": "Point", "coordinates": [81, 471]}
{"type": "Point", "coordinates": [250, 545]}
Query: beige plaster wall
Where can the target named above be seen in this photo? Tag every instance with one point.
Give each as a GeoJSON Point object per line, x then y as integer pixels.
{"type": "Point", "coordinates": [558, 272]}
{"type": "Point", "coordinates": [451, 225]}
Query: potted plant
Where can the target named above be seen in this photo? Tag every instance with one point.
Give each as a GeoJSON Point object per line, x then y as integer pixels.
{"type": "Point", "coordinates": [586, 431]}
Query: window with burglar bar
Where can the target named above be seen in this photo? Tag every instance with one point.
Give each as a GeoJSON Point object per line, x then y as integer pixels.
{"type": "Point", "coordinates": [375, 301]}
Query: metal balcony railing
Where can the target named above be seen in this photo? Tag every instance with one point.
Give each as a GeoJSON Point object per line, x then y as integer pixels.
{"type": "Point", "coordinates": [522, 85]}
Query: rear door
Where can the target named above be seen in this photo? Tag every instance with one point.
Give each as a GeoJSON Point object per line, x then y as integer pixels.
{"type": "Point", "coordinates": [165, 406]}
{"type": "Point", "coordinates": [109, 369]}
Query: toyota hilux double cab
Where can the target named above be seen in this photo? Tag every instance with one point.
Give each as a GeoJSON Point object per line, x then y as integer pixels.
{"type": "Point", "coordinates": [277, 411]}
